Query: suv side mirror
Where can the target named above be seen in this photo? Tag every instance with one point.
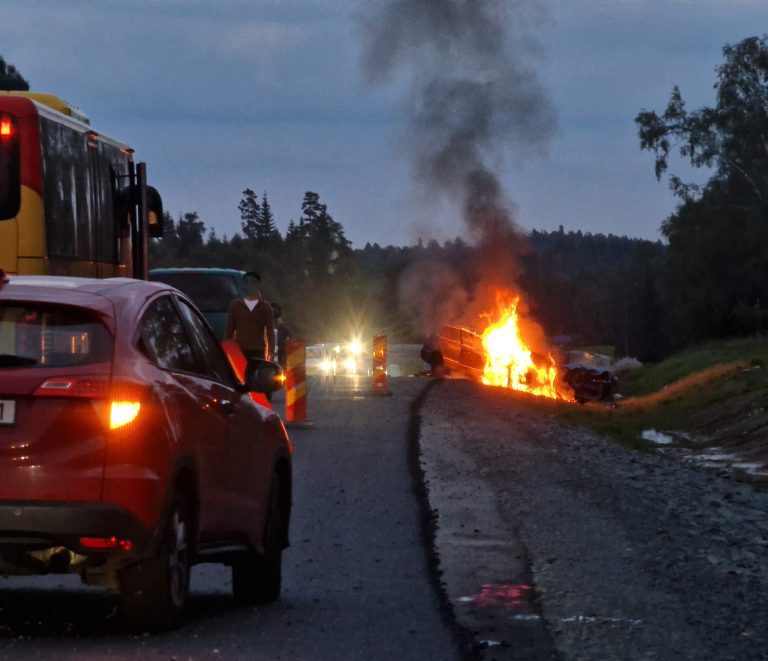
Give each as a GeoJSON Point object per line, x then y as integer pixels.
{"type": "Point", "coordinates": [264, 376]}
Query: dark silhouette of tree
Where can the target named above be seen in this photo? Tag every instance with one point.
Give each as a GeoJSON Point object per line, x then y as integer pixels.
{"type": "Point", "coordinates": [717, 263]}
{"type": "Point", "coordinates": [597, 289]}
{"type": "Point", "coordinates": [732, 137]}
{"type": "Point", "coordinates": [326, 244]}
{"type": "Point", "coordinates": [190, 231]}
{"type": "Point", "coordinates": [267, 234]}
{"type": "Point", "coordinates": [11, 79]}
{"type": "Point", "coordinates": [250, 214]}
{"type": "Point", "coordinates": [295, 232]}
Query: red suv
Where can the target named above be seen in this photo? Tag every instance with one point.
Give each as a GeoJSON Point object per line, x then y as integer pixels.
{"type": "Point", "coordinates": [129, 449]}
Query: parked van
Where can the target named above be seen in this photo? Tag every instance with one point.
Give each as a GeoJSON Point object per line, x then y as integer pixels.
{"type": "Point", "coordinates": [211, 290]}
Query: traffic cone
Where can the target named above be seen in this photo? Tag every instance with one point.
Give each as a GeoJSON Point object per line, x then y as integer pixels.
{"type": "Point", "coordinates": [379, 366]}
{"type": "Point", "coordinates": [296, 384]}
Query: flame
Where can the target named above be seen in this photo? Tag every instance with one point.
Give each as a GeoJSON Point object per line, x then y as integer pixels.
{"type": "Point", "coordinates": [509, 361]}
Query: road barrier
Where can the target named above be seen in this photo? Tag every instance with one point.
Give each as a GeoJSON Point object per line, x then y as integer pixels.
{"type": "Point", "coordinates": [379, 366]}
{"type": "Point", "coordinates": [296, 384]}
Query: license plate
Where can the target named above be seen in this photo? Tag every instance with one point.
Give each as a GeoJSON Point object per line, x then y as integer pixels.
{"type": "Point", "coordinates": [7, 411]}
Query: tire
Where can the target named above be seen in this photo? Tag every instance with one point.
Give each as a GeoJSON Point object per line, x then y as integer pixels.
{"type": "Point", "coordinates": [154, 592]}
{"type": "Point", "coordinates": [257, 577]}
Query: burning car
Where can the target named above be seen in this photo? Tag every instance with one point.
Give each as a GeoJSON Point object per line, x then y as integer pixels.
{"type": "Point", "coordinates": [500, 356]}
{"type": "Point", "coordinates": [589, 375]}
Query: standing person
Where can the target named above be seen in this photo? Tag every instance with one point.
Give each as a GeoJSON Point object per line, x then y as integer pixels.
{"type": "Point", "coordinates": [282, 335]}
{"type": "Point", "coordinates": [250, 321]}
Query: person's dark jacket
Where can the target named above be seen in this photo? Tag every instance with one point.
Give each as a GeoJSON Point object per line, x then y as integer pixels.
{"type": "Point", "coordinates": [253, 330]}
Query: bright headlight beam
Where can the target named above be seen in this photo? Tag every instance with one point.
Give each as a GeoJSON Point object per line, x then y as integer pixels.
{"type": "Point", "coordinates": [355, 347]}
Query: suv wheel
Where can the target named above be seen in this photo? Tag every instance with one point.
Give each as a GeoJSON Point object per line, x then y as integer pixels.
{"type": "Point", "coordinates": [257, 577]}
{"type": "Point", "coordinates": [154, 592]}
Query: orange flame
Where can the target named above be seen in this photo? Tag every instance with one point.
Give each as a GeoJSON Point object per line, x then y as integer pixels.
{"type": "Point", "coordinates": [510, 363]}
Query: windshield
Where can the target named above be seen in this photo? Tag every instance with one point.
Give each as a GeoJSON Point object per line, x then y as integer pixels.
{"type": "Point", "coordinates": [34, 335]}
{"type": "Point", "coordinates": [210, 292]}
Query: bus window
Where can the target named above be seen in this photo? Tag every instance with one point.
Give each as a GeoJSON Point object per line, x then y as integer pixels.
{"type": "Point", "coordinates": [68, 196]}
{"type": "Point", "coordinates": [101, 172]}
{"type": "Point", "coordinates": [10, 168]}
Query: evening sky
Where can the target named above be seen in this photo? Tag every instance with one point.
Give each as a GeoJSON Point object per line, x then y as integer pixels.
{"type": "Point", "coordinates": [220, 95]}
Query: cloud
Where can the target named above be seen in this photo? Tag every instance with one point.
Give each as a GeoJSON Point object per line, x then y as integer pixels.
{"type": "Point", "coordinates": [219, 94]}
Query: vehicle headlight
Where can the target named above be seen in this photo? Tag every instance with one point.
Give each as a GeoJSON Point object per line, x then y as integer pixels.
{"type": "Point", "coordinates": [355, 347]}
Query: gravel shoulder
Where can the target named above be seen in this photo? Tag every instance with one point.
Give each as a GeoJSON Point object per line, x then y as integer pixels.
{"type": "Point", "coordinates": [628, 555]}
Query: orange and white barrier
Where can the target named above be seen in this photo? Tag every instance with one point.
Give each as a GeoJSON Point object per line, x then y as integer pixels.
{"type": "Point", "coordinates": [296, 383]}
{"type": "Point", "coordinates": [379, 365]}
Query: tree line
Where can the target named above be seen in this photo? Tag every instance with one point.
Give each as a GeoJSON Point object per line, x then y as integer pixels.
{"type": "Point", "coordinates": [598, 289]}
{"type": "Point", "coordinates": [707, 279]}
{"type": "Point", "coordinates": [715, 276]}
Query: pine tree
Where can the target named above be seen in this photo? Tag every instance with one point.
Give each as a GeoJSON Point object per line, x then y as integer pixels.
{"type": "Point", "coordinates": [326, 242]}
{"type": "Point", "coordinates": [295, 233]}
{"type": "Point", "coordinates": [11, 79]}
{"type": "Point", "coordinates": [267, 235]}
{"type": "Point", "coordinates": [250, 214]}
{"type": "Point", "coordinates": [191, 233]}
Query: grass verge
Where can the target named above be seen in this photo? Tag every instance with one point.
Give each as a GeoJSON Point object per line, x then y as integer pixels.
{"type": "Point", "coordinates": [673, 394]}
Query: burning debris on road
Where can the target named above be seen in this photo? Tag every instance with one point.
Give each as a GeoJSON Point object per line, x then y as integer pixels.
{"type": "Point", "coordinates": [589, 381]}
{"type": "Point", "coordinates": [501, 355]}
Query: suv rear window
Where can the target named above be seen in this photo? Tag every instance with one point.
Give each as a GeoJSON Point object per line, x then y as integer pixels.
{"type": "Point", "coordinates": [210, 292]}
{"type": "Point", "coordinates": [34, 335]}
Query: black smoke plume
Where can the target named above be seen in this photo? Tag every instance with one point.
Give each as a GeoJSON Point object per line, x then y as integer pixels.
{"type": "Point", "coordinates": [475, 98]}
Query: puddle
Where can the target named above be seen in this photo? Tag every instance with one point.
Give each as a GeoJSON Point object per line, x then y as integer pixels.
{"type": "Point", "coordinates": [493, 643]}
{"type": "Point", "coordinates": [750, 467]}
{"type": "Point", "coordinates": [594, 619]}
{"type": "Point", "coordinates": [526, 617]}
{"type": "Point", "coordinates": [658, 437]}
{"type": "Point", "coordinates": [716, 458]}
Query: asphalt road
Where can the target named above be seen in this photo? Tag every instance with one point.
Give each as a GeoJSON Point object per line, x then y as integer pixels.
{"type": "Point", "coordinates": [358, 583]}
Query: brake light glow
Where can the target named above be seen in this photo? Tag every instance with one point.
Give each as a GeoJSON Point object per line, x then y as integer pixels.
{"type": "Point", "coordinates": [6, 128]}
{"type": "Point", "coordinates": [123, 413]}
{"type": "Point", "coordinates": [124, 399]}
{"type": "Point", "coordinates": [106, 544]}
{"type": "Point", "coordinates": [87, 388]}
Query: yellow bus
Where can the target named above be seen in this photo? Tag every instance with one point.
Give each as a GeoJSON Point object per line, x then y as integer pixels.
{"type": "Point", "coordinates": [72, 200]}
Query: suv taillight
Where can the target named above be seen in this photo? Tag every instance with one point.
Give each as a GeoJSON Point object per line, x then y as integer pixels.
{"type": "Point", "coordinates": [77, 386]}
{"type": "Point", "coordinates": [124, 398]}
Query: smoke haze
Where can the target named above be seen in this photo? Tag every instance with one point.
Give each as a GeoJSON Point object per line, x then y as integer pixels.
{"type": "Point", "coordinates": [474, 98]}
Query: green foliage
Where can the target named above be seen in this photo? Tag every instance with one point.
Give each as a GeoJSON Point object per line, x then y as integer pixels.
{"type": "Point", "coordinates": [258, 221]}
{"type": "Point", "coordinates": [267, 234]}
{"type": "Point", "coordinates": [598, 290]}
{"type": "Point", "coordinates": [715, 281]}
{"type": "Point", "coordinates": [313, 273]}
{"type": "Point", "coordinates": [250, 213]}
{"type": "Point", "coordinates": [731, 137]}
{"type": "Point", "coordinates": [652, 378]}
{"type": "Point", "coordinates": [11, 79]}
{"type": "Point", "coordinates": [675, 394]}
{"type": "Point", "coordinates": [327, 247]}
